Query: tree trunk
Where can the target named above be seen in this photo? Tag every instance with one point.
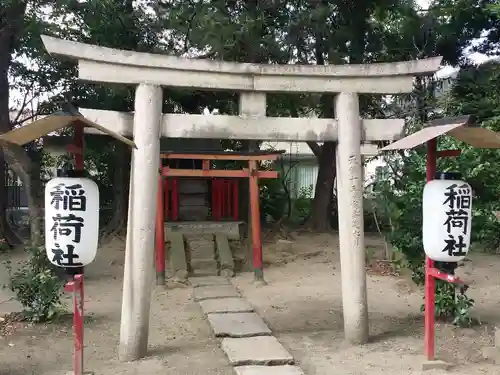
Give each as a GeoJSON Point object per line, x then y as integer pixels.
{"type": "Point", "coordinates": [35, 205]}
{"type": "Point", "coordinates": [11, 25]}
{"type": "Point", "coordinates": [121, 182]}
{"type": "Point", "coordinates": [322, 207]}
{"type": "Point", "coordinates": [6, 232]}
{"type": "Point", "coordinates": [29, 173]}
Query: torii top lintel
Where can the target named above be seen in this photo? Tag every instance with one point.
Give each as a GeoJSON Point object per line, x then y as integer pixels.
{"type": "Point", "coordinates": [101, 64]}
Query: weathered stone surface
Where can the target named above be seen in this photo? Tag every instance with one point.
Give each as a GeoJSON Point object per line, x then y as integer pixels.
{"type": "Point", "coordinates": [225, 306]}
{"type": "Point", "coordinates": [208, 281]}
{"type": "Point", "coordinates": [224, 252]}
{"type": "Point", "coordinates": [177, 256]}
{"type": "Point", "coordinates": [491, 353]}
{"type": "Point", "coordinates": [497, 337]}
{"type": "Point", "coordinates": [268, 370]}
{"type": "Point", "coordinates": [226, 273]}
{"type": "Point", "coordinates": [201, 249]}
{"type": "Point", "coordinates": [199, 264]}
{"type": "Point", "coordinates": [231, 228]}
{"type": "Point", "coordinates": [238, 325]}
{"type": "Point", "coordinates": [435, 365]}
{"type": "Point", "coordinates": [215, 291]}
{"type": "Point", "coordinates": [204, 272]}
{"type": "Point", "coordinates": [261, 350]}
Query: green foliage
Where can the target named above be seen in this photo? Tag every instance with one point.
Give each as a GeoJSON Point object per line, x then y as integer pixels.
{"type": "Point", "coordinates": [461, 313]}
{"type": "Point", "coordinates": [400, 181]}
{"type": "Point", "coordinates": [452, 307]}
{"type": "Point", "coordinates": [399, 188]}
{"type": "Point", "coordinates": [302, 205]}
{"type": "Point", "coordinates": [476, 92]}
{"type": "Point", "coordinates": [37, 287]}
{"type": "Point", "coordinates": [273, 200]}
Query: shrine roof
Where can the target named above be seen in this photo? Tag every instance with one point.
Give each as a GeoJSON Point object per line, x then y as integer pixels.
{"type": "Point", "coordinates": [461, 128]}
{"type": "Point", "coordinates": [54, 122]}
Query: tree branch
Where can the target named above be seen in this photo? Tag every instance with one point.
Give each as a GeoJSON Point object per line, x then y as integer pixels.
{"type": "Point", "coordinates": [315, 148]}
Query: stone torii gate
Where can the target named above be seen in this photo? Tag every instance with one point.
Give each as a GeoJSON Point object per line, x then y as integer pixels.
{"type": "Point", "coordinates": [149, 72]}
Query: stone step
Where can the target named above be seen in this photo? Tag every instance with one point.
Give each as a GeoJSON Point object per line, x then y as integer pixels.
{"type": "Point", "coordinates": [201, 244]}
{"type": "Point", "coordinates": [203, 267]}
{"type": "Point", "coordinates": [204, 264]}
{"type": "Point", "coordinates": [204, 272]}
{"type": "Point", "coordinates": [205, 247]}
{"type": "Point", "coordinates": [177, 257]}
{"type": "Point", "coordinates": [224, 254]}
{"type": "Point", "coordinates": [238, 325]}
{"type": "Point", "coordinates": [260, 350]}
{"type": "Point", "coordinates": [268, 370]}
{"type": "Point", "coordinates": [191, 237]}
{"type": "Point", "coordinates": [216, 291]}
{"type": "Point", "coordinates": [204, 250]}
{"type": "Point", "coordinates": [225, 306]}
{"type": "Point", "coordinates": [208, 281]}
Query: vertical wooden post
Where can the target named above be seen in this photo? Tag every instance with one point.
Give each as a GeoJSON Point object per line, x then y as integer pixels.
{"type": "Point", "coordinates": [223, 198]}
{"type": "Point", "coordinates": [175, 198]}
{"type": "Point", "coordinates": [214, 199]}
{"type": "Point", "coordinates": [78, 145]}
{"type": "Point", "coordinates": [430, 282]}
{"type": "Point", "coordinates": [160, 235]}
{"type": "Point", "coordinates": [166, 198]}
{"type": "Point", "coordinates": [219, 199]}
{"type": "Point", "coordinates": [236, 200]}
{"type": "Point", "coordinates": [75, 287]}
{"type": "Point", "coordinates": [255, 220]}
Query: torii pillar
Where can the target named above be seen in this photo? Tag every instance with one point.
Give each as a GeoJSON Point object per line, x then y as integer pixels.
{"type": "Point", "coordinates": [138, 277]}
{"type": "Point", "coordinates": [350, 212]}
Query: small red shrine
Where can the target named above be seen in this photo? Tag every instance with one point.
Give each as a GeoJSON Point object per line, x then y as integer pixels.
{"type": "Point", "coordinates": [205, 192]}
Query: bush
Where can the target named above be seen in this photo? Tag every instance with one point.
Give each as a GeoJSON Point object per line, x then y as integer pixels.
{"type": "Point", "coordinates": [37, 287]}
{"type": "Point", "coordinates": [302, 206]}
{"type": "Point", "coordinates": [397, 200]}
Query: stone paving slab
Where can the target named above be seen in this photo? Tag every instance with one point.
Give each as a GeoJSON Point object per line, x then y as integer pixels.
{"type": "Point", "coordinates": [238, 325]}
{"type": "Point", "coordinates": [261, 350]}
{"type": "Point", "coordinates": [268, 370]}
{"type": "Point", "coordinates": [215, 291]}
{"type": "Point", "coordinates": [208, 281]}
{"type": "Point", "coordinates": [225, 306]}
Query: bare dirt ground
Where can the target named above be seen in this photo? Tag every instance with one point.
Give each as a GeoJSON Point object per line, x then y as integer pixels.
{"type": "Point", "coordinates": [301, 304]}
{"type": "Point", "coordinates": [180, 339]}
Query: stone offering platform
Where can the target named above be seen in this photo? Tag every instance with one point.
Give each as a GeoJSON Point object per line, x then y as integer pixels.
{"type": "Point", "coordinates": [246, 339]}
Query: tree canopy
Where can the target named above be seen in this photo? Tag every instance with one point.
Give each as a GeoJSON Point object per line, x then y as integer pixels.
{"type": "Point", "coordinates": [285, 32]}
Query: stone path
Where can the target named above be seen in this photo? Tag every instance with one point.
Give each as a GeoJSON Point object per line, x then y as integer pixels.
{"type": "Point", "coordinates": [246, 340]}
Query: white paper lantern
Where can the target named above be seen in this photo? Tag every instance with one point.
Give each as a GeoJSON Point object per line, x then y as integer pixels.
{"type": "Point", "coordinates": [71, 221]}
{"type": "Point", "coordinates": [447, 216]}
